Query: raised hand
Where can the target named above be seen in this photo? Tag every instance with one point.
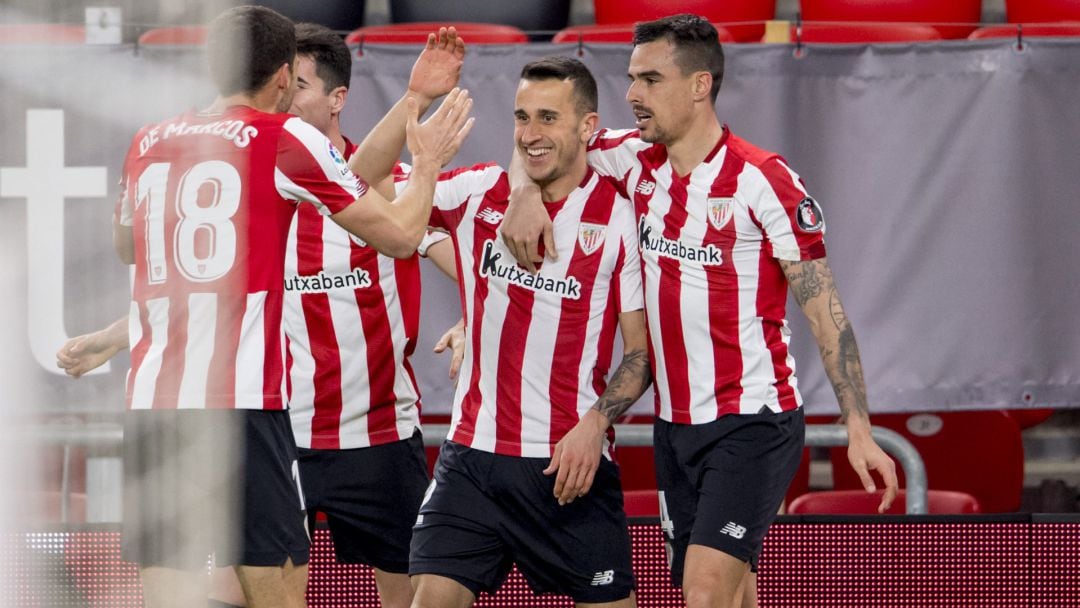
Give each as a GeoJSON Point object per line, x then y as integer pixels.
{"type": "Point", "coordinates": [438, 138]}
{"type": "Point", "coordinates": [438, 68]}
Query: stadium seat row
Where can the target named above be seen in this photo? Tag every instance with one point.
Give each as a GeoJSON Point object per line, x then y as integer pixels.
{"type": "Point", "coordinates": [822, 21]}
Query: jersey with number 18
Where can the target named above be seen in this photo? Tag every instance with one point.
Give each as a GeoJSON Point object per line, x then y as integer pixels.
{"type": "Point", "coordinates": [209, 199]}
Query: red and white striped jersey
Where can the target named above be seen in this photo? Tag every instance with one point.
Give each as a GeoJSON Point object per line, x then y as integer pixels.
{"type": "Point", "coordinates": [351, 319]}
{"type": "Point", "coordinates": [715, 294]}
{"type": "Point", "coordinates": [209, 198]}
{"type": "Point", "coordinates": [539, 346]}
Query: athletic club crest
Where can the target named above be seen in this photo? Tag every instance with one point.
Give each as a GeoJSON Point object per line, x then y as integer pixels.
{"type": "Point", "coordinates": [720, 210]}
{"type": "Point", "coordinates": [809, 217]}
{"type": "Point", "coordinates": [590, 237]}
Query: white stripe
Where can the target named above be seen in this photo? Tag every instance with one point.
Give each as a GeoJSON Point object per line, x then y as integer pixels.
{"type": "Point", "coordinates": [142, 393]}
{"type": "Point", "coordinates": [302, 371]}
{"type": "Point", "coordinates": [694, 300]}
{"type": "Point", "coordinates": [348, 328]}
{"type": "Point", "coordinates": [758, 374]}
{"type": "Point", "coordinates": [407, 416]}
{"type": "Point", "coordinates": [199, 349]}
{"type": "Point", "coordinates": [251, 354]}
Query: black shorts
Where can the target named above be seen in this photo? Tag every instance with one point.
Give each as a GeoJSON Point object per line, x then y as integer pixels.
{"type": "Point", "coordinates": [722, 483]}
{"type": "Point", "coordinates": [370, 497]}
{"type": "Point", "coordinates": [484, 512]}
{"type": "Point", "coordinates": [220, 483]}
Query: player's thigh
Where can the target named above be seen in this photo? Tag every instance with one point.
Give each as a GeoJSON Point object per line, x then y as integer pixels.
{"type": "Point", "coordinates": [458, 531]}
{"type": "Point", "coordinates": [371, 497]}
{"type": "Point", "coordinates": [580, 549]}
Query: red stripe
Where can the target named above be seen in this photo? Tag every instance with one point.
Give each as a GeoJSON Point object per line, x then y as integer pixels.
{"type": "Point", "coordinates": [512, 340]}
{"type": "Point", "coordinates": [322, 339]}
{"type": "Point", "coordinates": [771, 304]}
{"type": "Point", "coordinates": [221, 373]}
{"type": "Point", "coordinates": [471, 403]}
{"type": "Point", "coordinates": [670, 302]}
{"type": "Point", "coordinates": [371, 306]}
{"type": "Point", "coordinates": [167, 389]}
{"type": "Point", "coordinates": [608, 325]}
{"type": "Point", "coordinates": [409, 290]}
{"type": "Point", "coordinates": [723, 296]}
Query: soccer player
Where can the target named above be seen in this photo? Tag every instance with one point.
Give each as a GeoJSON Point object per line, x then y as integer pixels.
{"type": "Point", "coordinates": [204, 217]}
{"type": "Point", "coordinates": [538, 350]}
{"type": "Point", "coordinates": [725, 228]}
{"type": "Point", "coordinates": [351, 318]}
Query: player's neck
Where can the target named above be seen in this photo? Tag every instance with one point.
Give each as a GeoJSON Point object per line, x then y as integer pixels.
{"type": "Point", "coordinates": [560, 188]}
{"type": "Point", "coordinates": [335, 136]}
{"type": "Point", "coordinates": [697, 141]}
{"type": "Point", "coordinates": [265, 100]}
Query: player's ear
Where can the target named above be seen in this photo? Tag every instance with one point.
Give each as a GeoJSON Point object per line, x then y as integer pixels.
{"type": "Point", "coordinates": [589, 123]}
{"type": "Point", "coordinates": [337, 99]}
{"type": "Point", "coordinates": [702, 85]}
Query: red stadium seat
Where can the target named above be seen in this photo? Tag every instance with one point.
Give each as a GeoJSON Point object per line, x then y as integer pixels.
{"type": "Point", "coordinates": [181, 35]}
{"type": "Point", "coordinates": [980, 453]}
{"type": "Point", "coordinates": [756, 12]}
{"type": "Point", "coordinates": [859, 502]}
{"type": "Point", "coordinates": [1028, 418]}
{"type": "Point", "coordinates": [622, 33]}
{"type": "Point", "coordinates": [865, 33]}
{"type": "Point", "coordinates": [41, 33]}
{"type": "Point", "coordinates": [1041, 11]}
{"type": "Point", "coordinates": [933, 12]}
{"type": "Point", "coordinates": [1029, 30]}
{"type": "Point", "coordinates": [416, 33]}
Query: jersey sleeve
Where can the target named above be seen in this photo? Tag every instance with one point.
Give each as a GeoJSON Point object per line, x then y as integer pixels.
{"type": "Point", "coordinates": [791, 220]}
{"type": "Point", "coordinates": [628, 268]}
{"type": "Point", "coordinates": [455, 188]}
{"type": "Point", "coordinates": [310, 169]}
{"type": "Point", "coordinates": [124, 213]}
{"type": "Point", "coordinates": [613, 153]}
{"type": "Point", "coordinates": [430, 238]}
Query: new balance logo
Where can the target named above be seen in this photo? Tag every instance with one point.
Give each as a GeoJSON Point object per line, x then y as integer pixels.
{"type": "Point", "coordinates": [490, 216]}
{"type": "Point", "coordinates": [645, 187]}
{"type": "Point", "coordinates": [733, 530]}
{"type": "Point", "coordinates": [603, 578]}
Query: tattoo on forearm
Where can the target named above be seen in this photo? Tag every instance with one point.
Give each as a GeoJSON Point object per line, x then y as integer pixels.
{"type": "Point", "coordinates": [627, 384]}
{"type": "Point", "coordinates": [809, 280]}
{"type": "Point", "coordinates": [805, 279]}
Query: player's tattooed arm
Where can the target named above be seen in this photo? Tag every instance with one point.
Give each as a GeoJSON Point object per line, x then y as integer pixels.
{"type": "Point", "coordinates": [627, 385]}
{"type": "Point", "coordinates": [577, 455]}
{"type": "Point", "coordinates": [814, 289]}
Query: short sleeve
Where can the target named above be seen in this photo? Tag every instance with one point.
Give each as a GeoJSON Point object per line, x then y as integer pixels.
{"type": "Point", "coordinates": [613, 153]}
{"type": "Point", "coordinates": [628, 268]}
{"type": "Point", "coordinates": [310, 169]}
{"type": "Point", "coordinates": [790, 218]}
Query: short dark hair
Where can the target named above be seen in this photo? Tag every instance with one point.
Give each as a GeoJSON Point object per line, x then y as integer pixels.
{"type": "Point", "coordinates": [559, 67]}
{"type": "Point", "coordinates": [697, 45]}
{"type": "Point", "coordinates": [246, 45]}
{"type": "Point", "coordinates": [333, 62]}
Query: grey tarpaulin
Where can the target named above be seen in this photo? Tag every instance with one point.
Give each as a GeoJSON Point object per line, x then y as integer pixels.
{"type": "Point", "coordinates": [949, 174]}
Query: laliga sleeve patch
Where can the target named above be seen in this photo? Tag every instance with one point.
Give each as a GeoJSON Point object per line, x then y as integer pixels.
{"type": "Point", "coordinates": [809, 217]}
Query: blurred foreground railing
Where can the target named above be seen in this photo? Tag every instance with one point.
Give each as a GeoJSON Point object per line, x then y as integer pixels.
{"type": "Point", "coordinates": [104, 469]}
